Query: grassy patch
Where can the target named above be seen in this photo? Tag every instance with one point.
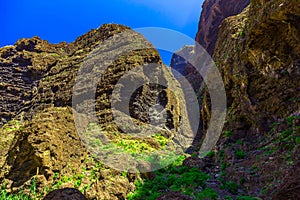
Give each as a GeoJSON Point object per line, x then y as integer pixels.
{"type": "Point", "coordinates": [240, 154]}
{"type": "Point", "coordinates": [207, 193]}
{"type": "Point", "coordinates": [231, 187]}
{"type": "Point", "coordinates": [228, 133]}
{"type": "Point", "coordinates": [12, 125]}
{"type": "Point", "coordinates": [20, 195]}
{"type": "Point", "coordinates": [174, 178]}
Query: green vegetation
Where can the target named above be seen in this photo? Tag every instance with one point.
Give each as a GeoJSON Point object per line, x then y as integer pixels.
{"type": "Point", "coordinates": [240, 154]}
{"type": "Point", "coordinates": [242, 34]}
{"type": "Point", "coordinates": [12, 125]}
{"type": "Point", "coordinates": [221, 154]}
{"type": "Point", "coordinates": [134, 146]}
{"type": "Point", "coordinates": [210, 154]}
{"type": "Point", "coordinates": [75, 180]}
{"type": "Point", "coordinates": [207, 193]}
{"type": "Point", "coordinates": [163, 141]}
{"type": "Point", "coordinates": [140, 149]}
{"type": "Point", "coordinates": [174, 178]}
{"type": "Point", "coordinates": [254, 169]}
{"type": "Point", "coordinates": [20, 195]}
{"type": "Point", "coordinates": [228, 133]}
{"type": "Point", "coordinates": [240, 142]}
{"type": "Point", "coordinates": [288, 138]}
{"type": "Point", "coordinates": [224, 165]}
{"type": "Point", "coordinates": [129, 145]}
{"type": "Point", "coordinates": [231, 187]}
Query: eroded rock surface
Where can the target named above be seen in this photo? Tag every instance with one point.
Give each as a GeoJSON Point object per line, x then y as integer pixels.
{"type": "Point", "coordinates": [40, 141]}
{"type": "Point", "coordinates": [212, 15]}
{"type": "Point", "coordinates": [257, 54]}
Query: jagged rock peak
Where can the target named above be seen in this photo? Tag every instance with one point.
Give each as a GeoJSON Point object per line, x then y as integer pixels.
{"type": "Point", "coordinates": [180, 59]}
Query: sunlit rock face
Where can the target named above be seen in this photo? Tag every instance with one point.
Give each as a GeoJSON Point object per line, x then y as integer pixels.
{"type": "Point", "coordinates": [213, 13]}
{"type": "Point", "coordinates": [42, 113]}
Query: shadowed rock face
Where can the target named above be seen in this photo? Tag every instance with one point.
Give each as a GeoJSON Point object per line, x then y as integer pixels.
{"type": "Point", "coordinates": [180, 59]}
{"type": "Point", "coordinates": [257, 54]}
{"type": "Point", "coordinates": [65, 194]}
{"type": "Point", "coordinates": [289, 188]}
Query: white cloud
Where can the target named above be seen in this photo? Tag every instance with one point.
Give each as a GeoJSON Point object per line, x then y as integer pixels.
{"type": "Point", "coordinates": [179, 11]}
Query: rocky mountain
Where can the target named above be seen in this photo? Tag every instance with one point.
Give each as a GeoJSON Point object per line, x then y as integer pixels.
{"type": "Point", "coordinates": [64, 123]}
{"type": "Point", "coordinates": [53, 131]}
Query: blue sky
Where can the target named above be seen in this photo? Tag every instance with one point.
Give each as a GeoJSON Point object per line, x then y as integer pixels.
{"type": "Point", "coordinates": [65, 20]}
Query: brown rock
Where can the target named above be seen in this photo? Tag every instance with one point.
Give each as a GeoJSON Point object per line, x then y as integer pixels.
{"type": "Point", "coordinates": [194, 162]}
{"type": "Point", "coordinates": [213, 13]}
{"type": "Point", "coordinates": [65, 194]}
{"type": "Point", "coordinates": [40, 73]}
{"type": "Point", "coordinates": [43, 146]}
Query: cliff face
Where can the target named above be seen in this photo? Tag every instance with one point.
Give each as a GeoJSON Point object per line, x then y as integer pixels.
{"type": "Point", "coordinates": [213, 13]}
{"type": "Point", "coordinates": [257, 53]}
{"type": "Point", "coordinates": [39, 141]}
{"type": "Point", "coordinates": [33, 70]}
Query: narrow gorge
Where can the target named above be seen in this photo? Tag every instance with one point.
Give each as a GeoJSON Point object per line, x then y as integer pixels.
{"type": "Point", "coordinates": [60, 127]}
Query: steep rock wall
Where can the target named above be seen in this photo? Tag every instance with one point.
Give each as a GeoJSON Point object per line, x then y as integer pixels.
{"type": "Point", "coordinates": [39, 139]}
{"type": "Point", "coordinates": [257, 53]}
{"type": "Point", "coordinates": [213, 13]}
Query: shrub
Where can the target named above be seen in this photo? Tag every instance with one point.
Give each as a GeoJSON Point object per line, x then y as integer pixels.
{"type": "Point", "coordinates": [240, 154]}
{"type": "Point", "coordinates": [207, 193]}
{"type": "Point", "coordinates": [228, 133]}
{"type": "Point", "coordinates": [173, 178]}
{"type": "Point", "coordinates": [232, 187]}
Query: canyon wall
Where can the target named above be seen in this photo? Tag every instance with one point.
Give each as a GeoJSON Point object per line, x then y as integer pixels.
{"type": "Point", "coordinates": [257, 54]}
